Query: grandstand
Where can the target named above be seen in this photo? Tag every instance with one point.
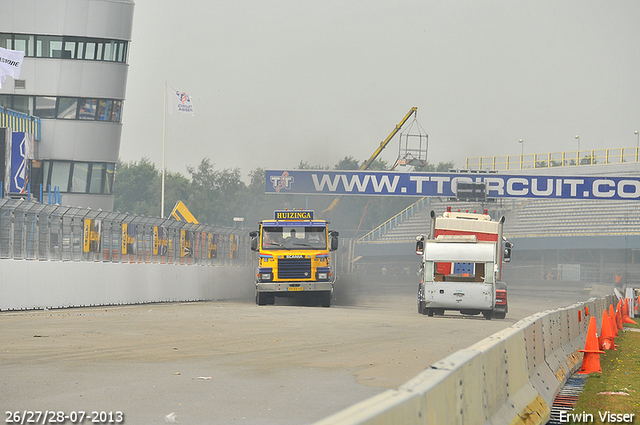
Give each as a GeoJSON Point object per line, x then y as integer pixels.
{"type": "Point", "coordinates": [568, 218]}
{"type": "Point", "coordinates": [599, 237]}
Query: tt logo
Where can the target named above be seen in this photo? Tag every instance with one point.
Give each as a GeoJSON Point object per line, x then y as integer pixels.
{"type": "Point", "coordinates": [282, 182]}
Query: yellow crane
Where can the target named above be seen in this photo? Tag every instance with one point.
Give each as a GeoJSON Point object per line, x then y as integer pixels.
{"type": "Point", "coordinates": [377, 152]}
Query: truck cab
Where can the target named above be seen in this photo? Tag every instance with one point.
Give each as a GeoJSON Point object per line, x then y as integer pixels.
{"type": "Point", "coordinates": [294, 258]}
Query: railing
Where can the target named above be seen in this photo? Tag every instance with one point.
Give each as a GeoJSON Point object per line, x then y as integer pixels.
{"type": "Point", "coordinates": [394, 221]}
{"type": "Point", "coordinates": [34, 231]}
{"type": "Point", "coordinates": [20, 122]}
{"type": "Point", "coordinates": [554, 159]}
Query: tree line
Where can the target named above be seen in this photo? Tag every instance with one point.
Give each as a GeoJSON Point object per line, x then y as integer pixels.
{"type": "Point", "coordinates": [216, 196]}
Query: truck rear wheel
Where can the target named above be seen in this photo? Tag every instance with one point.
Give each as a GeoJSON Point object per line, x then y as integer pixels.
{"type": "Point", "coordinates": [487, 314]}
{"type": "Point", "coordinates": [499, 315]}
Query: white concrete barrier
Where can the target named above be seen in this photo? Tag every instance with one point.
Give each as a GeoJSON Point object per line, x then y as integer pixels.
{"type": "Point", "coordinates": [55, 284]}
{"type": "Point", "coordinates": [510, 377]}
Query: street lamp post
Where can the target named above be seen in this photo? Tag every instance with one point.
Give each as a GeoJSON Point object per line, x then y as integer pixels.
{"type": "Point", "coordinates": [578, 153]}
{"type": "Point", "coordinates": [637, 143]}
{"type": "Point", "coordinates": [521, 152]}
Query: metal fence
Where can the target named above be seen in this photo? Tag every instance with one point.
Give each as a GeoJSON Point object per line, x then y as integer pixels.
{"type": "Point", "coordinates": [35, 231]}
{"type": "Point", "coordinates": [554, 159]}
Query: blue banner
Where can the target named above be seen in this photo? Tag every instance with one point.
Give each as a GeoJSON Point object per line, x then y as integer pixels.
{"type": "Point", "coordinates": [21, 153]}
{"type": "Point", "coordinates": [318, 182]}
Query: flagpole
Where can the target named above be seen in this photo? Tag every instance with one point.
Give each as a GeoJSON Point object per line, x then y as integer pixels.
{"type": "Point", "coordinates": [164, 133]}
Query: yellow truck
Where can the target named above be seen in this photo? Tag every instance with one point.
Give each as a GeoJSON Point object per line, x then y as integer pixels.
{"type": "Point", "coordinates": [294, 258]}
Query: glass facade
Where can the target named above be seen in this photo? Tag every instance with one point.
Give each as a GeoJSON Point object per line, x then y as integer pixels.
{"type": "Point", "coordinates": [66, 47]}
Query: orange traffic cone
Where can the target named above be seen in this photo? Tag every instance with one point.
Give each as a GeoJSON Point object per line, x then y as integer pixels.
{"type": "Point", "coordinates": [586, 310]}
{"type": "Point", "coordinates": [606, 334]}
{"type": "Point", "coordinates": [612, 319]}
{"type": "Point", "coordinates": [625, 313]}
{"type": "Point", "coordinates": [591, 359]}
{"type": "Point", "coordinates": [619, 316]}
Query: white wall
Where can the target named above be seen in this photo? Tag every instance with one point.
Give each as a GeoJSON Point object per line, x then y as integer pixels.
{"type": "Point", "coordinates": [55, 284]}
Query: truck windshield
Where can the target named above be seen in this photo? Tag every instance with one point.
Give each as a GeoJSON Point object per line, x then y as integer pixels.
{"type": "Point", "coordinates": [290, 238]}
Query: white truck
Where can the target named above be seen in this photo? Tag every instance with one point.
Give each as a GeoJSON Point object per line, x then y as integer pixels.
{"type": "Point", "coordinates": [461, 267]}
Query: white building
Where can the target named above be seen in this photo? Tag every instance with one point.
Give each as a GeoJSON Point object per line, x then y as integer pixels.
{"type": "Point", "coordinates": [74, 78]}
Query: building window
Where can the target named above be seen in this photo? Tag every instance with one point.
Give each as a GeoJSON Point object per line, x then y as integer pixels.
{"type": "Point", "coordinates": [5, 100]}
{"type": "Point", "coordinates": [87, 109]}
{"type": "Point", "coordinates": [6, 41]}
{"type": "Point", "coordinates": [50, 46]}
{"type": "Point", "coordinates": [25, 43]}
{"type": "Point", "coordinates": [115, 113]}
{"type": "Point", "coordinates": [60, 175]}
{"type": "Point", "coordinates": [45, 107]}
{"type": "Point", "coordinates": [79, 177]}
{"type": "Point", "coordinates": [122, 52]}
{"type": "Point", "coordinates": [108, 187]}
{"type": "Point", "coordinates": [23, 104]}
{"type": "Point", "coordinates": [67, 108]}
{"type": "Point", "coordinates": [90, 51]}
{"type": "Point", "coordinates": [71, 46]}
{"type": "Point", "coordinates": [104, 110]}
{"type": "Point", "coordinates": [97, 178]}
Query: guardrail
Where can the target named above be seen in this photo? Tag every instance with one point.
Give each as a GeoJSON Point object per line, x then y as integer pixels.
{"type": "Point", "coordinates": [34, 231]}
{"type": "Point", "coordinates": [509, 377]}
{"type": "Point", "coordinates": [394, 221]}
{"type": "Point", "coordinates": [554, 159]}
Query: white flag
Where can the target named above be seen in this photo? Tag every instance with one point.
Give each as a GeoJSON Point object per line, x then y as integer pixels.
{"type": "Point", "coordinates": [10, 64]}
{"type": "Point", "coordinates": [178, 102]}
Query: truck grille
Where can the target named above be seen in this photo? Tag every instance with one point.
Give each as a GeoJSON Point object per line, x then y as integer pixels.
{"type": "Point", "coordinates": [296, 268]}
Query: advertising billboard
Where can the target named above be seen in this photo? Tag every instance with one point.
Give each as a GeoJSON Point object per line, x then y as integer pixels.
{"type": "Point", "coordinates": [389, 183]}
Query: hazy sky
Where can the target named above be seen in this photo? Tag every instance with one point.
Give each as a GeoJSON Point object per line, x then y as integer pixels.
{"type": "Point", "coordinates": [276, 82]}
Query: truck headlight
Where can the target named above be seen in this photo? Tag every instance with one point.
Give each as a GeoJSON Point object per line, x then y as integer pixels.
{"type": "Point", "coordinates": [265, 274]}
{"type": "Point", "coordinates": [323, 276]}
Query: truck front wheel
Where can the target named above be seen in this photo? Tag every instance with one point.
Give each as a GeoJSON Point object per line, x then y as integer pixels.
{"type": "Point", "coordinates": [264, 299]}
{"type": "Point", "coordinates": [325, 299]}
